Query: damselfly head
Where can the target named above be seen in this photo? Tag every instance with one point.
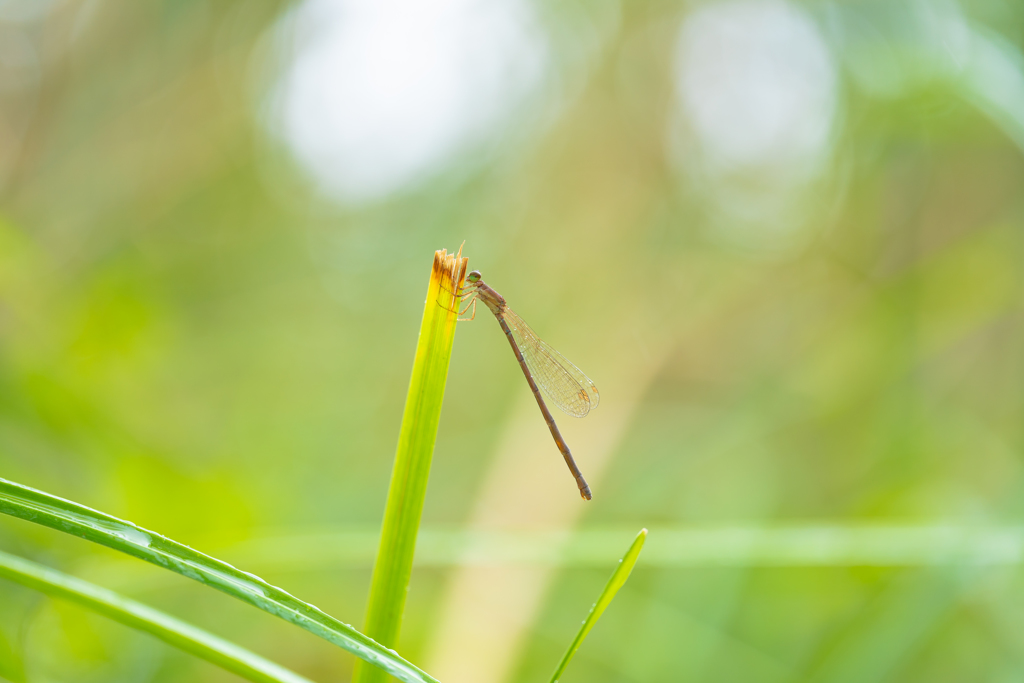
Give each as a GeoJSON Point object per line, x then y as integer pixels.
{"type": "Point", "coordinates": [473, 277]}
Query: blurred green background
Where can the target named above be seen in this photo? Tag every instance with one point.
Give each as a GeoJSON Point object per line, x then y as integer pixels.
{"type": "Point", "coordinates": [786, 240]}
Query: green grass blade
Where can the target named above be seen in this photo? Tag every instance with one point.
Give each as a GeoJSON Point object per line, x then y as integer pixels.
{"type": "Point", "coordinates": [181, 635]}
{"type": "Point", "coordinates": [11, 667]}
{"type": "Point", "coordinates": [412, 459]}
{"type": "Point", "coordinates": [78, 520]}
{"type": "Point", "coordinates": [617, 580]}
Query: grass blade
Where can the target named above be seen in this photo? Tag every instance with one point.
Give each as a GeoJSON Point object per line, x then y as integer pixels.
{"type": "Point", "coordinates": [617, 580]}
{"type": "Point", "coordinates": [11, 667]}
{"type": "Point", "coordinates": [78, 520]}
{"type": "Point", "coordinates": [181, 635]}
{"type": "Point", "coordinates": [412, 459]}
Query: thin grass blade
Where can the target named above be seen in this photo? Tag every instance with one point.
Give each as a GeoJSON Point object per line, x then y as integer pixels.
{"type": "Point", "coordinates": [411, 471]}
{"type": "Point", "coordinates": [12, 668]}
{"type": "Point", "coordinates": [617, 580]}
{"type": "Point", "coordinates": [42, 508]}
{"type": "Point", "coordinates": [173, 631]}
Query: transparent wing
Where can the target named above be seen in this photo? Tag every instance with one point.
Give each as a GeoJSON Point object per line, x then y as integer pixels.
{"type": "Point", "coordinates": [563, 383]}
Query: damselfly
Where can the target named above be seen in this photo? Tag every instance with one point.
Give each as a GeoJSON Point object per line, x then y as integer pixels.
{"type": "Point", "coordinates": [545, 369]}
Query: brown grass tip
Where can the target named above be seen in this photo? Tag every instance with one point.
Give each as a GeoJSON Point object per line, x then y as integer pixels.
{"type": "Point", "coordinates": [450, 269]}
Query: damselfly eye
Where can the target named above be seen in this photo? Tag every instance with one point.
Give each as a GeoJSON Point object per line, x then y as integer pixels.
{"type": "Point", "coordinates": [473, 276]}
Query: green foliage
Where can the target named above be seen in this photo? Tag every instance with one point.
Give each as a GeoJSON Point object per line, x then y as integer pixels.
{"type": "Point", "coordinates": [193, 337]}
{"type": "Point", "coordinates": [615, 582]}
{"type": "Point", "coordinates": [173, 631]}
{"type": "Point", "coordinates": [64, 515]}
{"type": "Point", "coordinates": [412, 459]}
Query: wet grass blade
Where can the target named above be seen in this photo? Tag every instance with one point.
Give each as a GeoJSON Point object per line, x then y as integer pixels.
{"type": "Point", "coordinates": [617, 580]}
{"type": "Point", "coordinates": [177, 633]}
{"type": "Point", "coordinates": [42, 508]}
{"type": "Point", "coordinates": [408, 487]}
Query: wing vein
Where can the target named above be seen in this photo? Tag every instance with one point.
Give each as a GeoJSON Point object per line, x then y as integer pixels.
{"type": "Point", "coordinates": [562, 383]}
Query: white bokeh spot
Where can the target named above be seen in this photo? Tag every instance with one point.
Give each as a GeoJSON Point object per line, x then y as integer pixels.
{"type": "Point", "coordinates": [377, 96]}
{"type": "Point", "coordinates": [756, 91]}
{"type": "Point", "coordinates": [757, 83]}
